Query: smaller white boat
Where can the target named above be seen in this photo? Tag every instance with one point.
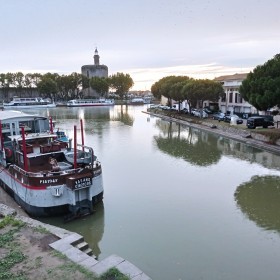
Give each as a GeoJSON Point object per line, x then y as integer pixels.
{"type": "Point", "coordinates": [90, 102]}
{"type": "Point", "coordinates": [139, 101]}
{"type": "Point", "coordinates": [28, 103]}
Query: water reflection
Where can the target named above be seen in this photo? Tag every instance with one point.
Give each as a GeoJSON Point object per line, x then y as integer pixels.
{"type": "Point", "coordinates": [121, 114]}
{"type": "Point", "coordinates": [259, 200]}
{"type": "Point", "coordinates": [248, 153]}
{"type": "Point", "coordinates": [193, 145]}
{"type": "Point", "coordinates": [202, 148]}
{"type": "Point", "coordinates": [90, 227]}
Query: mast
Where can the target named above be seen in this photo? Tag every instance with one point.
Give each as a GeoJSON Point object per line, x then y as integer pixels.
{"type": "Point", "coordinates": [24, 149]}
{"type": "Point", "coordinates": [1, 137]}
{"type": "Point", "coordinates": [82, 134]}
{"type": "Point", "coordinates": [75, 146]}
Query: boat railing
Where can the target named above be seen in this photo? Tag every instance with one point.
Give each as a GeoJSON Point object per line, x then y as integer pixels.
{"type": "Point", "coordinates": [44, 173]}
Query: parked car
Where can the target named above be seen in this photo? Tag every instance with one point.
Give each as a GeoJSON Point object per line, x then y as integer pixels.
{"type": "Point", "coordinates": [153, 106]}
{"type": "Point", "coordinates": [164, 107]}
{"type": "Point", "coordinates": [199, 113]}
{"type": "Point", "coordinates": [263, 121]}
{"type": "Point", "coordinates": [207, 110]}
{"type": "Point", "coordinates": [233, 118]}
{"type": "Point", "coordinates": [185, 111]}
{"type": "Point", "coordinates": [218, 116]}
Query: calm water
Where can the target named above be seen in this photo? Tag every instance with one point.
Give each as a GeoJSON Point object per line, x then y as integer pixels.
{"type": "Point", "coordinates": [179, 203]}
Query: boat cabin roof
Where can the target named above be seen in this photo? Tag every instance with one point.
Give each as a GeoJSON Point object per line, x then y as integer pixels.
{"type": "Point", "coordinates": [33, 136]}
{"type": "Point", "coordinates": [10, 115]}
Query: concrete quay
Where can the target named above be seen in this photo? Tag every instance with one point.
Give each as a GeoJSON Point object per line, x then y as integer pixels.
{"type": "Point", "coordinates": [68, 245]}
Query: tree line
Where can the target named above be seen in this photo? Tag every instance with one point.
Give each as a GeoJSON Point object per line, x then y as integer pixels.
{"type": "Point", "coordinates": [261, 88]}
{"type": "Point", "coordinates": [181, 88]}
{"type": "Point", "coordinates": [64, 87]}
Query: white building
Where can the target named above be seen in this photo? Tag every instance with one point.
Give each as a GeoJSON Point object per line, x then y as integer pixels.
{"type": "Point", "coordinates": [233, 102]}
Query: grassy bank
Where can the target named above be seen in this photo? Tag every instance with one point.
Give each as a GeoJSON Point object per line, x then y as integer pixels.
{"type": "Point", "coordinates": [25, 254]}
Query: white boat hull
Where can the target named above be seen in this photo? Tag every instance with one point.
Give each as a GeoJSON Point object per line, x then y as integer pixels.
{"type": "Point", "coordinates": [18, 107]}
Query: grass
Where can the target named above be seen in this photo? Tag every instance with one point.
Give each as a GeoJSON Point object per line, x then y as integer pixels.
{"type": "Point", "coordinates": [12, 254]}
{"type": "Point", "coordinates": [9, 220]}
{"type": "Point", "coordinates": [113, 274]}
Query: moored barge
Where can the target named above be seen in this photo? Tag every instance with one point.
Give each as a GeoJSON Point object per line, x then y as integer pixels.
{"type": "Point", "coordinates": [36, 171]}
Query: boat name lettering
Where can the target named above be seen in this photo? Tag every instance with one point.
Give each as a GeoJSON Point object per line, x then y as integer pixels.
{"type": "Point", "coordinates": [83, 182]}
{"type": "Point", "coordinates": [48, 181]}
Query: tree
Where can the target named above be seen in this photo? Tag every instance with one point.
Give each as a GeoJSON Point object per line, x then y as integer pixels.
{"type": "Point", "coordinates": [100, 85]}
{"type": "Point", "coordinates": [47, 87]}
{"type": "Point", "coordinates": [166, 87]}
{"type": "Point", "coordinates": [261, 88]}
{"type": "Point", "coordinates": [206, 90]}
{"type": "Point", "coordinates": [121, 83]}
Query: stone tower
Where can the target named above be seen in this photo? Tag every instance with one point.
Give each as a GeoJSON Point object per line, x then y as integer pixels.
{"type": "Point", "coordinates": [94, 70]}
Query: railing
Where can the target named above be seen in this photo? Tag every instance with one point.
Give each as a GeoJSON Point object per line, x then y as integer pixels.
{"type": "Point", "coordinates": [41, 173]}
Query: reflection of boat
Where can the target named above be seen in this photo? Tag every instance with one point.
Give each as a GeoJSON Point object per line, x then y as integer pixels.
{"type": "Point", "coordinates": [90, 102]}
{"type": "Point", "coordinates": [28, 103]}
{"type": "Point", "coordinates": [37, 173]}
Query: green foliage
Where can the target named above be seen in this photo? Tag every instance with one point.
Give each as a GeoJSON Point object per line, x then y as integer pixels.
{"type": "Point", "coordinates": [180, 88]}
{"type": "Point", "coordinates": [6, 238]}
{"type": "Point", "coordinates": [47, 87]}
{"type": "Point", "coordinates": [8, 262]}
{"type": "Point", "coordinates": [100, 85]}
{"type": "Point", "coordinates": [261, 88]}
{"type": "Point", "coordinates": [41, 230]}
{"type": "Point", "coordinates": [121, 83]}
{"type": "Point", "coordinates": [113, 274]}
{"type": "Point", "coordinates": [10, 220]}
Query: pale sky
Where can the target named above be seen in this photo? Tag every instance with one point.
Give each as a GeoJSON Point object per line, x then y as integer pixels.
{"type": "Point", "coordinates": [148, 39]}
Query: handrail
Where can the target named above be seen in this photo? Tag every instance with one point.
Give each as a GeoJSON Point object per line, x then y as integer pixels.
{"type": "Point", "coordinates": [38, 174]}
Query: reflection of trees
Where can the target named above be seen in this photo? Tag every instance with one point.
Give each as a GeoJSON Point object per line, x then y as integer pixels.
{"type": "Point", "coordinates": [259, 200]}
{"type": "Point", "coordinates": [196, 147]}
{"type": "Point", "coordinates": [123, 116]}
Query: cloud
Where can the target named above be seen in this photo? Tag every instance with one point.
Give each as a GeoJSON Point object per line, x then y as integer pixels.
{"type": "Point", "coordinates": [145, 77]}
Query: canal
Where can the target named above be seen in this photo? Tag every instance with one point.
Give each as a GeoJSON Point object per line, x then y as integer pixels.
{"type": "Point", "coordinates": [179, 203]}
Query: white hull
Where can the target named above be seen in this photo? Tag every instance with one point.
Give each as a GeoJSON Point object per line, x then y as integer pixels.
{"type": "Point", "coordinates": [35, 106]}
{"type": "Point", "coordinates": [90, 103]}
{"type": "Point", "coordinates": [51, 196]}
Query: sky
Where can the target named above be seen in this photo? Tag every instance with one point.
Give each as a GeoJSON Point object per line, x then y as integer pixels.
{"type": "Point", "coordinates": [147, 39]}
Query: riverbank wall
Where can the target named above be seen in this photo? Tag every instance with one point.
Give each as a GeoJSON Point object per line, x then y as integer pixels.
{"type": "Point", "coordinates": [239, 134]}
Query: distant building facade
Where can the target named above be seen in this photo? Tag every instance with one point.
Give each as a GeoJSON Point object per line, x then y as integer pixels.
{"type": "Point", "coordinates": [233, 102]}
{"type": "Point", "coordinates": [94, 70]}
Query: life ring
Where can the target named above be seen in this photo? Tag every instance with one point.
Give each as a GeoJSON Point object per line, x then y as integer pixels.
{"type": "Point", "coordinates": [8, 152]}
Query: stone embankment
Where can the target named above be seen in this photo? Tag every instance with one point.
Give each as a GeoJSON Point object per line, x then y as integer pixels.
{"type": "Point", "coordinates": [73, 246]}
{"type": "Point", "coordinates": [250, 137]}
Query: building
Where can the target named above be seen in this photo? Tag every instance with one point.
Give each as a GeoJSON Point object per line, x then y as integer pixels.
{"type": "Point", "coordinates": [233, 102]}
{"type": "Point", "coordinates": [94, 70]}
